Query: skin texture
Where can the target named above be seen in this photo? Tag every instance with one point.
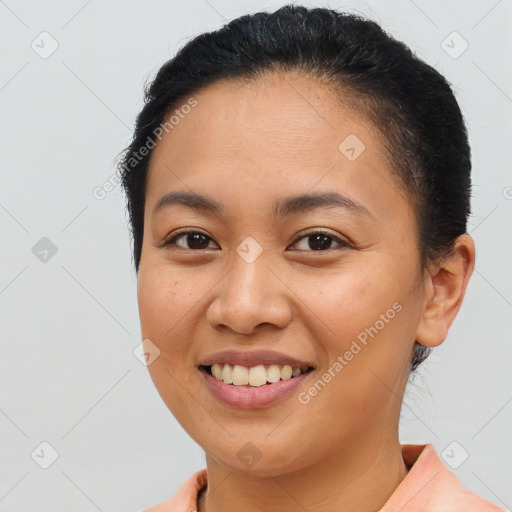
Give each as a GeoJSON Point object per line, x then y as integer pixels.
{"type": "Point", "coordinates": [246, 146]}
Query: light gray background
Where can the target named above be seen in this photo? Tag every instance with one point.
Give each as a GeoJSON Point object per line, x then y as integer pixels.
{"type": "Point", "coordinates": [70, 325]}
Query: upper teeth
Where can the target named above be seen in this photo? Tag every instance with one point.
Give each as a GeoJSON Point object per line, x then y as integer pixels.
{"type": "Point", "coordinates": [254, 375]}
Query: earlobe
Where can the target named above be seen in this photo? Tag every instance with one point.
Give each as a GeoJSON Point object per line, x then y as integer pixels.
{"type": "Point", "coordinates": [445, 286]}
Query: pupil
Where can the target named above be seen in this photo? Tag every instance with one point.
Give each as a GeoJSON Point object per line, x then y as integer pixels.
{"type": "Point", "coordinates": [195, 239]}
{"type": "Point", "coordinates": [319, 242]}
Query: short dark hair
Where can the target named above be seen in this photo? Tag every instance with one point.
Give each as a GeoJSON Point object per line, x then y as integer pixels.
{"type": "Point", "coordinates": [410, 103]}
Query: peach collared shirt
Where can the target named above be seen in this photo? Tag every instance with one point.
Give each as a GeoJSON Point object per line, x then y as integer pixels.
{"type": "Point", "coordinates": [429, 486]}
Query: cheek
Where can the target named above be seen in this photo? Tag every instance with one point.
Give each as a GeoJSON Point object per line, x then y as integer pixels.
{"type": "Point", "coordinates": [166, 308]}
{"type": "Point", "coordinates": [364, 318]}
{"type": "Point", "coordinates": [167, 304]}
{"type": "Point", "coordinates": [367, 364]}
{"type": "Point", "coordinates": [351, 301]}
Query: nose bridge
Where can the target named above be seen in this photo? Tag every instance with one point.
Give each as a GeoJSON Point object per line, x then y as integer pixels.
{"type": "Point", "coordinates": [248, 280]}
{"type": "Point", "coordinates": [249, 293]}
{"type": "Point", "coordinates": [249, 271]}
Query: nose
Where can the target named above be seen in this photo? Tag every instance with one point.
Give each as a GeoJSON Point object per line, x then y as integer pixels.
{"type": "Point", "coordinates": [250, 295]}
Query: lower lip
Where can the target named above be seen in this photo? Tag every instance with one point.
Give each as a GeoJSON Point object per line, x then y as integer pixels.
{"type": "Point", "coordinates": [249, 397]}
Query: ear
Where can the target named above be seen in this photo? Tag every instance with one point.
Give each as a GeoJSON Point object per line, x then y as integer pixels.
{"type": "Point", "coordinates": [445, 286]}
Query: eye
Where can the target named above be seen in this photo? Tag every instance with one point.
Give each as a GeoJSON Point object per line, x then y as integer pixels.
{"type": "Point", "coordinates": [320, 241]}
{"type": "Point", "coordinates": [197, 240]}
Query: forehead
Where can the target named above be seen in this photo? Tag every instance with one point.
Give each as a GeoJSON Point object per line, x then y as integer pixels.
{"type": "Point", "coordinates": [281, 133]}
{"type": "Point", "coordinates": [275, 107]}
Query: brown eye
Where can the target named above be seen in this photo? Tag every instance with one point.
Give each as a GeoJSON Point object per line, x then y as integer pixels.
{"type": "Point", "coordinates": [319, 241]}
{"type": "Point", "coordinates": [193, 240]}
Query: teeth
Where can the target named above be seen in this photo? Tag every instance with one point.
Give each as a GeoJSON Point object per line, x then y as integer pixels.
{"type": "Point", "coordinates": [255, 375]}
{"type": "Point", "coordinates": [217, 371]}
{"type": "Point", "coordinates": [227, 373]}
{"type": "Point", "coordinates": [240, 375]}
{"type": "Point", "coordinates": [273, 373]}
{"type": "Point", "coordinates": [286, 372]}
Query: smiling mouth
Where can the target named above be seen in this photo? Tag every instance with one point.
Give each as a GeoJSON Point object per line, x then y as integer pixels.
{"type": "Point", "coordinates": [254, 376]}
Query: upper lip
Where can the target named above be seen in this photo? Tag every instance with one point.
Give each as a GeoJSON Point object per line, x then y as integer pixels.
{"type": "Point", "coordinates": [253, 358]}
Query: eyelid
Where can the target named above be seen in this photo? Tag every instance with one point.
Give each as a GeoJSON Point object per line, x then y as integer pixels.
{"type": "Point", "coordinates": [321, 231]}
{"type": "Point", "coordinates": [185, 231]}
{"type": "Point", "coordinates": [170, 240]}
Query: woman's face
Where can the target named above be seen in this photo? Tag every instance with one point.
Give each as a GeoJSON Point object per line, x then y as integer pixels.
{"type": "Point", "coordinates": [347, 301]}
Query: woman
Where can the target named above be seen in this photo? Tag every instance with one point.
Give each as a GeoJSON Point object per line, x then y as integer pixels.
{"type": "Point", "coordinates": [298, 187]}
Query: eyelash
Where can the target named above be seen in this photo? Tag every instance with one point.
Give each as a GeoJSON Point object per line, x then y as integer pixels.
{"type": "Point", "coordinates": [170, 241]}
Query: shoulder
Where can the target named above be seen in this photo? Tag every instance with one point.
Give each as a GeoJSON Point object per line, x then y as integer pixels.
{"type": "Point", "coordinates": [185, 498]}
{"type": "Point", "coordinates": [431, 487]}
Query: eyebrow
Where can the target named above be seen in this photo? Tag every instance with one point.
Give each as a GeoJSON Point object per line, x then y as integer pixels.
{"type": "Point", "coordinates": [281, 208]}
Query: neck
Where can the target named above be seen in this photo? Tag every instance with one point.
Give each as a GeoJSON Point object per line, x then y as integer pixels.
{"type": "Point", "coordinates": [360, 477]}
